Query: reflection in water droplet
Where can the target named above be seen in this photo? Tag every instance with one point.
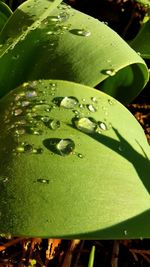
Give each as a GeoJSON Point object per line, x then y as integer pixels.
{"type": "Point", "coordinates": [85, 125]}
{"type": "Point", "coordinates": [43, 181]}
{"type": "Point", "coordinates": [68, 102]}
{"type": "Point", "coordinates": [91, 108]}
{"type": "Point", "coordinates": [54, 124]}
{"type": "Point", "coordinates": [65, 147]}
{"type": "Point", "coordinates": [102, 125]}
{"type": "Point", "coordinates": [110, 72]}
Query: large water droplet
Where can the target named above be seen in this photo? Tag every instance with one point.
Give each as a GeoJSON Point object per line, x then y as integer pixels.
{"type": "Point", "coordinates": [87, 125]}
{"type": "Point", "coordinates": [69, 102]}
{"type": "Point", "coordinates": [110, 72]}
{"type": "Point", "coordinates": [65, 147]}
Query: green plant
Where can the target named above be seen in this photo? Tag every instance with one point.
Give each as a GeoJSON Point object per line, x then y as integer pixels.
{"type": "Point", "coordinates": [68, 157]}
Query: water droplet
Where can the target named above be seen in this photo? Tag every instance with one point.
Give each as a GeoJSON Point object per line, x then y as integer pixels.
{"type": "Point", "coordinates": [34, 130]}
{"type": "Point", "coordinates": [37, 151]}
{"type": "Point", "coordinates": [15, 57]}
{"type": "Point", "coordinates": [80, 155]}
{"type": "Point", "coordinates": [63, 17]}
{"type": "Point", "coordinates": [25, 103]}
{"type": "Point", "coordinates": [102, 125]}
{"type": "Point", "coordinates": [86, 125]}
{"type": "Point", "coordinates": [68, 102]}
{"type": "Point", "coordinates": [111, 102]}
{"type": "Point", "coordinates": [31, 94]}
{"type": "Point", "coordinates": [41, 107]}
{"type": "Point", "coordinates": [24, 147]}
{"type": "Point", "coordinates": [20, 131]}
{"type": "Point", "coordinates": [45, 119]}
{"type": "Point", "coordinates": [81, 32]}
{"type": "Point", "coordinates": [120, 148]}
{"type": "Point", "coordinates": [49, 32]}
{"type": "Point", "coordinates": [65, 147]}
{"type": "Point", "coordinates": [54, 124]}
{"type": "Point", "coordinates": [91, 108]}
{"type": "Point", "coordinates": [5, 179]}
{"type": "Point", "coordinates": [17, 112]}
{"type": "Point", "coordinates": [125, 232]}
{"type": "Point", "coordinates": [110, 72]}
{"type": "Point", "coordinates": [43, 181]}
{"type": "Point", "coordinates": [94, 99]}
{"type": "Point", "coordinates": [54, 18]}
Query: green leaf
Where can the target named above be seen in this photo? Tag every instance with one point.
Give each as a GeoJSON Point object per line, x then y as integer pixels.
{"type": "Point", "coordinates": [42, 43]}
{"type": "Point", "coordinates": [5, 13]}
{"type": "Point", "coordinates": [144, 2]}
{"type": "Point", "coordinates": [70, 165]}
{"type": "Point", "coordinates": [142, 41]}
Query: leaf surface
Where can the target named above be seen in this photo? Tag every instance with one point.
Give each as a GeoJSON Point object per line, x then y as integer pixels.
{"type": "Point", "coordinates": [63, 43]}
{"type": "Point", "coordinates": [70, 167]}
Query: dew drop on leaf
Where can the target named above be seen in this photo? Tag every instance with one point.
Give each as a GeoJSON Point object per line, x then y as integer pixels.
{"type": "Point", "coordinates": [83, 32]}
{"type": "Point", "coordinates": [68, 102]}
{"type": "Point", "coordinates": [102, 125]}
{"type": "Point", "coordinates": [65, 147]}
{"type": "Point", "coordinates": [43, 181]}
{"type": "Point", "coordinates": [91, 108]}
{"type": "Point", "coordinates": [80, 155]}
{"type": "Point", "coordinates": [86, 125]}
{"type": "Point", "coordinates": [54, 124]}
{"type": "Point", "coordinates": [110, 72]}
{"type": "Point", "coordinates": [17, 112]}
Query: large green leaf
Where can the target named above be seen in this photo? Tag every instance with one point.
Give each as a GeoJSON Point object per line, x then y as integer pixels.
{"type": "Point", "coordinates": [5, 13]}
{"type": "Point", "coordinates": [142, 41]}
{"type": "Point", "coordinates": [70, 165]}
{"type": "Point", "coordinates": [62, 43]}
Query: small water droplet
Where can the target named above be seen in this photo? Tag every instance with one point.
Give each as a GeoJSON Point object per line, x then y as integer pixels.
{"type": "Point", "coordinates": [25, 103]}
{"type": "Point", "coordinates": [5, 179]}
{"type": "Point", "coordinates": [43, 181]}
{"type": "Point", "coordinates": [49, 32]}
{"type": "Point", "coordinates": [110, 72]}
{"type": "Point", "coordinates": [94, 99]}
{"type": "Point", "coordinates": [34, 130]}
{"type": "Point", "coordinates": [120, 148]}
{"type": "Point", "coordinates": [20, 131]}
{"type": "Point", "coordinates": [17, 112]}
{"type": "Point", "coordinates": [125, 232]}
{"type": "Point", "coordinates": [111, 102]}
{"type": "Point", "coordinates": [54, 18]}
{"type": "Point", "coordinates": [15, 57]}
{"type": "Point", "coordinates": [81, 32]}
{"type": "Point", "coordinates": [80, 155]}
{"type": "Point", "coordinates": [45, 119]}
{"type": "Point", "coordinates": [65, 147]}
{"type": "Point", "coordinates": [54, 124]}
{"type": "Point", "coordinates": [85, 125]}
{"type": "Point", "coordinates": [24, 147]}
{"type": "Point", "coordinates": [68, 102]}
{"type": "Point", "coordinates": [91, 108]}
{"type": "Point", "coordinates": [63, 16]}
{"type": "Point", "coordinates": [37, 151]}
{"type": "Point", "coordinates": [102, 125]}
{"type": "Point", "coordinates": [31, 94]}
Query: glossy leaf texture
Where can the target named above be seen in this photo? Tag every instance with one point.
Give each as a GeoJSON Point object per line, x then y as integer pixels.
{"type": "Point", "coordinates": [142, 41]}
{"type": "Point", "coordinates": [70, 165]}
{"type": "Point", "coordinates": [65, 44]}
{"type": "Point", "coordinates": [5, 13]}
